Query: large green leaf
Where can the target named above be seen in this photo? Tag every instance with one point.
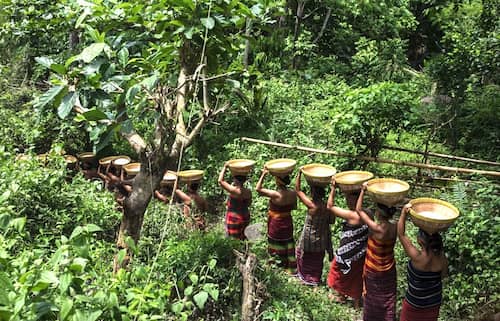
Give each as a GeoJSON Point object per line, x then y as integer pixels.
{"type": "Point", "coordinates": [94, 115]}
{"type": "Point", "coordinates": [49, 96]}
{"type": "Point", "coordinates": [91, 52]}
{"type": "Point", "coordinates": [200, 299]}
{"type": "Point", "coordinates": [208, 22]}
{"type": "Point", "coordinates": [67, 105]}
{"type": "Point", "coordinates": [66, 307]}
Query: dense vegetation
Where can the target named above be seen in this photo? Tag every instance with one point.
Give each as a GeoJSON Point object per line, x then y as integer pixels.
{"type": "Point", "coordinates": [349, 76]}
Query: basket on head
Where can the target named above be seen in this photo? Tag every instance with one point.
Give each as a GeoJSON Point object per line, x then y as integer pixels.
{"type": "Point", "coordinates": [432, 215]}
{"type": "Point", "coordinates": [86, 156]}
{"type": "Point", "coordinates": [169, 178]}
{"type": "Point", "coordinates": [106, 160]}
{"type": "Point", "coordinates": [240, 166]}
{"type": "Point", "coordinates": [280, 167]}
{"type": "Point", "coordinates": [121, 160]}
{"type": "Point", "coordinates": [70, 159]}
{"type": "Point", "coordinates": [318, 174]}
{"type": "Point", "coordinates": [352, 180]}
{"type": "Point", "coordinates": [388, 191]}
{"type": "Point", "coordinates": [190, 176]}
{"type": "Point", "coordinates": [132, 169]}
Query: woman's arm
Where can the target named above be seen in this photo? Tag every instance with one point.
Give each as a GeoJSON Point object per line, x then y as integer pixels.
{"type": "Point", "coordinates": [362, 214]}
{"type": "Point", "coordinates": [410, 249]}
{"type": "Point", "coordinates": [331, 197]}
{"type": "Point", "coordinates": [301, 195]}
{"type": "Point", "coordinates": [160, 196]}
{"type": "Point", "coordinates": [225, 185]}
{"type": "Point", "coordinates": [264, 191]}
{"type": "Point", "coordinates": [183, 197]}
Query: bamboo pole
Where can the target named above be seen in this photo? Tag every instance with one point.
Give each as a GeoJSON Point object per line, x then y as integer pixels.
{"type": "Point", "coordinates": [465, 159]}
{"type": "Point", "coordinates": [376, 159]}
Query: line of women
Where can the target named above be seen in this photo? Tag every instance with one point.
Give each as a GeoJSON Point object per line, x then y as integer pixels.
{"type": "Point", "coordinates": [363, 264]}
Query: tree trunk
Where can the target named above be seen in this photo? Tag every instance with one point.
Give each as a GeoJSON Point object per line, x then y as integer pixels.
{"type": "Point", "coordinates": [134, 206]}
{"type": "Point", "coordinates": [250, 302]}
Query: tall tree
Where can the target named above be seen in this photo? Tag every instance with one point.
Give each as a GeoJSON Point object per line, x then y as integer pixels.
{"type": "Point", "coordinates": [153, 74]}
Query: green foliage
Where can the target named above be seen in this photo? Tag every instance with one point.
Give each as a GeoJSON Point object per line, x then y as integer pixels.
{"type": "Point", "coordinates": [471, 248]}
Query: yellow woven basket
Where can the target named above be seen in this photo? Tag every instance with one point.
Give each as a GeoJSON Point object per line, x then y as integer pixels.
{"type": "Point", "coordinates": [432, 215]}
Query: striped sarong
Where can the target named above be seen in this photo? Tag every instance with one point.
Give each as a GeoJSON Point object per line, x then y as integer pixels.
{"type": "Point", "coordinates": [237, 217]}
{"type": "Point", "coordinates": [379, 281]}
{"type": "Point", "coordinates": [280, 237]}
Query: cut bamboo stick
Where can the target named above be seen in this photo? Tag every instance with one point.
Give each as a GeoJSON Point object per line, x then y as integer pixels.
{"type": "Point", "coordinates": [459, 158]}
{"type": "Point", "coordinates": [376, 159]}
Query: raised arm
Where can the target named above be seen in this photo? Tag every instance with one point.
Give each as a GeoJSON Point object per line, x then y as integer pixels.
{"type": "Point", "coordinates": [233, 190]}
{"type": "Point", "coordinates": [300, 194]}
{"type": "Point", "coordinates": [331, 197]}
{"type": "Point", "coordinates": [410, 249]}
{"type": "Point", "coordinates": [264, 191]}
{"type": "Point", "coordinates": [363, 215]}
{"type": "Point", "coordinates": [183, 197]}
{"type": "Point", "coordinates": [161, 197]}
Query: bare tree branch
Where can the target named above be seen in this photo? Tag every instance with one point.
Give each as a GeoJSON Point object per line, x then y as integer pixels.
{"type": "Point", "coordinates": [323, 27]}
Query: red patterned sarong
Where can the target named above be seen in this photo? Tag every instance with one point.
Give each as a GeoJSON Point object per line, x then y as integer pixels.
{"type": "Point", "coordinates": [350, 284]}
{"type": "Point", "coordinates": [380, 295]}
{"type": "Point", "coordinates": [310, 266]}
{"type": "Point", "coordinates": [280, 239]}
{"type": "Point", "coordinates": [410, 313]}
{"type": "Point", "coordinates": [237, 217]}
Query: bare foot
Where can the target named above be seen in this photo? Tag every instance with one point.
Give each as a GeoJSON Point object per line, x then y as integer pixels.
{"type": "Point", "coordinates": [336, 298]}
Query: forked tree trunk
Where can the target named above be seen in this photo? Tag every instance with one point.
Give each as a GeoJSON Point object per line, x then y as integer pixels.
{"type": "Point", "coordinates": [136, 204]}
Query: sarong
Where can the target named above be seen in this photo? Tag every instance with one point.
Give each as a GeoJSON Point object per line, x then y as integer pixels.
{"type": "Point", "coordinates": [237, 218]}
{"type": "Point", "coordinates": [410, 313]}
{"type": "Point", "coordinates": [310, 266]}
{"type": "Point", "coordinates": [280, 239]}
{"type": "Point", "coordinates": [350, 284]}
{"type": "Point", "coordinates": [380, 295]}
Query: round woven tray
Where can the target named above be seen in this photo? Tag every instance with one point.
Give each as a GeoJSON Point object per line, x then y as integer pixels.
{"type": "Point", "coordinates": [352, 180]}
{"type": "Point", "coordinates": [318, 174]}
{"type": "Point", "coordinates": [169, 178]}
{"type": "Point", "coordinates": [388, 191]}
{"type": "Point", "coordinates": [132, 168]}
{"type": "Point", "coordinates": [432, 215]}
{"type": "Point", "coordinates": [240, 166]}
{"type": "Point", "coordinates": [192, 175]}
{"type": "Point", "coordinates": [281, 166]}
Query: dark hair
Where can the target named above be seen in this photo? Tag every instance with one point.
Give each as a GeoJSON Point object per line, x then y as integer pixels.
{"type": "Point", "coordinates": [352, 196]}
{"type": "Point", "coordinates": [386, 211]}
{"type": "Point", "coordinates": [432, 242]}
{"type": "Point", "coordinates": [194, 186]}
{"type": "Point", "coordinates": [285, 180]}
{"type": "Point", "coordinates": [317, 192]}
{"type": "Point", "coordinates": [240, 178]}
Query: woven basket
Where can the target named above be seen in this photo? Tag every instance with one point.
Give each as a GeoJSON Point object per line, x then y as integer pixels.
{"type": "Point", "coordinates": [432, 215]}
{"type": "Point", "coordinates": [190, 176]}
{"type": "Point", "coordinates": [169, 178]}
{"type": "Point", "coordinates": [106, 160]}
{"type": "Point", "coordinates": [351, 180]}
{"type": "Point", "coordinates": [121, 160]}
{"type": "Point", "coordinates": [240, 166]}
{"type": "Point", "coordinates": [86, 156]}
{"type": "Point", "coordinates": [132, 169]}
{"type": "Point", "coordinates": [318, 174]}
{"type": "Point", "coordinates": [280, 167]}
{"type": "Point", "coordinates": [388, 191]}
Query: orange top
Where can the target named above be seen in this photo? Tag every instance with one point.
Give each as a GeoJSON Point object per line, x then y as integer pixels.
{"type": "Point", "coordinates": [379, 255]}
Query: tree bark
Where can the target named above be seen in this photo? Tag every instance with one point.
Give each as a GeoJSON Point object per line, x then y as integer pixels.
{"type": "Point", "coordinates": [247, 263]}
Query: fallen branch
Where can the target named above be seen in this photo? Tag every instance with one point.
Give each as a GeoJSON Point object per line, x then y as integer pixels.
{"type": "Point", "coordinates": [376, 159]}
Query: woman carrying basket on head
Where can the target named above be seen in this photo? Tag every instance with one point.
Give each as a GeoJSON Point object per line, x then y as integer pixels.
{"type": "Point", "coordinates": [280, 222]}
{"type": "Point", "coordinates": [346, 270]}
{"type": "Point", "coordinates": [426, 268]}
{"type": "Point", "coordinates": [238, 204]}
{"type": "Point", "coordinates": [379, 272]}
{"type": "Point", "coordinates": [315, 238]}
